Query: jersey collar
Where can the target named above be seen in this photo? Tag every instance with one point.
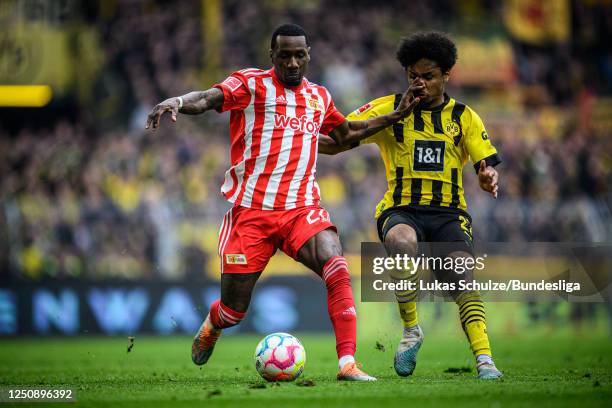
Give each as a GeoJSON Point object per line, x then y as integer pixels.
{"type": "Point", "coordinates": [278, 82]}
{"type": "Point", "coordinates": [439, 107]}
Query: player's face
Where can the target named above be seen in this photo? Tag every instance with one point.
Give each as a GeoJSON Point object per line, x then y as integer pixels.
{"type": "Point", "coordinates": [290, 59]}
{"type": "Point", "coordinates": [427, 73]}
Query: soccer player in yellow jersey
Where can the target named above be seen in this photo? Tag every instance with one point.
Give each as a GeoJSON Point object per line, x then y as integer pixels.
{"type": "Point", "coordinates": [424, 155]}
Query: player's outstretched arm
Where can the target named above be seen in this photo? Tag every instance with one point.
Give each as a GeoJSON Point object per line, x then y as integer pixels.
{"type": "Point", "coordinates": [351, 133]}
{"type": "Point", "coordinates": [192, 103]}
{"type": "Point", "coordinates": [487, 178]}
{"type": "Point", "coordinates": [327, 145]}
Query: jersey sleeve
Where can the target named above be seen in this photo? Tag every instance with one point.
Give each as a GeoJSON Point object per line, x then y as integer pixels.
{"type": "Point", "coordinates": [236, 93]}
{"type": "Point", "coordinates": [373, 109]}
{"type": "Point", "coordinates": [479, 144]}
{"type": "Point", "coordinates": [333, 118]}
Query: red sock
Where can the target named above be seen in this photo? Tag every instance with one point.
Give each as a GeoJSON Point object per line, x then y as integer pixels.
{"type": "Point", "coordinates": [340, 305]}
{"type": "Point", "coordinates": [222, 316]}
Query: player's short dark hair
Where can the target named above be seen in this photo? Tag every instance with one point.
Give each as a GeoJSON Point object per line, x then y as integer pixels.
{"type": "Point", "coordinates": [291, 30]}
{"type": "Point", "coordinates": [433, 45]}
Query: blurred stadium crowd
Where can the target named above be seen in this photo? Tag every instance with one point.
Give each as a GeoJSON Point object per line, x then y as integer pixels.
{"type": "Point", "coordinates": [90, 193]}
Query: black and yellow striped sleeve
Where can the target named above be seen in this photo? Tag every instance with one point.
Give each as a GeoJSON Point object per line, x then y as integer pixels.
{"type": "Point", "coordinates": [478, 143]}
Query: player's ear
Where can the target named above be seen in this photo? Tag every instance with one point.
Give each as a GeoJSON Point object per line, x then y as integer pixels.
{"type": "Point", "coordinates": [446, 76]}
{"type": "Point", "coordinates": [308, 54]}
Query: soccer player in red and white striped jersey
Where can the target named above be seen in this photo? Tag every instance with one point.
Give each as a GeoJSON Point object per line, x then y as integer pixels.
{"type": "Point", "coordinates": [275, 122]}
{"type": "Point", "coordinates": [274, 149]}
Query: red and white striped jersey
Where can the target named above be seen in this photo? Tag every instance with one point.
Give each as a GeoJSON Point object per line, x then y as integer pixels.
{"type": "Point", "coordinates": [274, 135]}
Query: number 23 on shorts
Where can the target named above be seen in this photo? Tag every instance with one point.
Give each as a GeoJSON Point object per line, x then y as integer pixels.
{"type": "Point", "coordinates": [317, 215]}
{"type": "Point", "coordinates": [466, 226]}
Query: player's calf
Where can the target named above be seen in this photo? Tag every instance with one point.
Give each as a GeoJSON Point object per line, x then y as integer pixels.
{"type": "Point", "coordinates": [219, 317]}
{"type": "Point", "coordinates": [473, 321]}
{"type": "Point", "coordinates": [340, 305]}
{"type": "Point", "coordinates": [341, 309]}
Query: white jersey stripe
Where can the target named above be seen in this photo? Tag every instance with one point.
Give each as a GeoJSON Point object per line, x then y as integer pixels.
{"type": "Point", "coordinates": [249, 121]}
{"type": "Point", "coordinates": [266, 140]}
{"type": "Point", "coordinates": [309, 195]}
{"type": "Point", "coordinates": [250, 71]}
{"type": "Point", "coordinates": [283, 157]}
{"type": "Point", "coordinates": [298, 176]}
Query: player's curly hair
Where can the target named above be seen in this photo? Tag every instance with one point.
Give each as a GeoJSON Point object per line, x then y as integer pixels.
{"type": "Point", "coordinates": [433, 45]}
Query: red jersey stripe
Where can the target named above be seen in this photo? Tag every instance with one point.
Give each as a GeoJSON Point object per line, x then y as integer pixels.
{"type": "Point", "coordinates": [279, 138]}
{"type": "Point", "coordinates": [294, 154]}
{"type": "Point", "coordinates": [259, 109]}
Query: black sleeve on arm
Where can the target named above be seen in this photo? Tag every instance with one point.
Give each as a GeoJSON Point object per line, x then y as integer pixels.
{"type": "Point", "coordinates": [493, 160]}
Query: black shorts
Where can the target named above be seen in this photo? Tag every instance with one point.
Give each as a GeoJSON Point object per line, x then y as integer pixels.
{"type": "Point", "coordinates": [432, 224]}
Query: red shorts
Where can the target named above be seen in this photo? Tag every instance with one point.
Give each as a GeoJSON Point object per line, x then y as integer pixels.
{"type": "Point", "coordinates": [249, 238]}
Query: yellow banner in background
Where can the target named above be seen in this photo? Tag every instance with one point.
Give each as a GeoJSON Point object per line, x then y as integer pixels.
{"type": "Point", "coordinates": [538, 22]}
{"type": "Point", "coordinates": [35, 54]}
{"type": "Point", "coordinates": [64, 58]}
{"type": "Point", "coordinates": [19, 96]}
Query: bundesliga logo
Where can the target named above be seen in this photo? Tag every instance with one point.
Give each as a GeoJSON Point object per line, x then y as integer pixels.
{"type": "Point", "coordinates": [302, 124]}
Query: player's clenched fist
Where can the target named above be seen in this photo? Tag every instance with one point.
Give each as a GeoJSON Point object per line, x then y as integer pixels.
{"type": "Point", "coordinates": [171, 105]}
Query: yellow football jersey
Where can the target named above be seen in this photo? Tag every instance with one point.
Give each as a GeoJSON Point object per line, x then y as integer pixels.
{"type": "Point", "coordinates": [424, 153]}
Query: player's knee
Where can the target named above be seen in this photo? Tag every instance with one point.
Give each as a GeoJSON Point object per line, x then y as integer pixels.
{"type": "Point", "coordinates": [324, 258]}
{"type": "Point", "coordinates": [463, 264]}
{"type": "Point", "coordinates": [460, 254]}
{"type": "Point", "coordinates": [236, 290]}
{"type": "Point", "coordinates": [327, 250]}
{"type": "Point", "coordinates": [238, 305]}
{"type": "Point", "coordinates": [401, 239]}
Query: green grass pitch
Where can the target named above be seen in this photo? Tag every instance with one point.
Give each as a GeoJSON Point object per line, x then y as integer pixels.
{"type": "Point", "coordinates": [545, 372]}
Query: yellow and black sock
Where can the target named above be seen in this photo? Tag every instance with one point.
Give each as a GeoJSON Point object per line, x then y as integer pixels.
{"type": "Point", "coordinates": [408, 313]}
{"type": "Point", "coordinates": [406, 299]}
{"type": "Point", "coordinates": [473, 321]}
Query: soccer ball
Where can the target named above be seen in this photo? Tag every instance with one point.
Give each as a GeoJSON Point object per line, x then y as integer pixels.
{"type": "Point", "coordinates": [280, 357]}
